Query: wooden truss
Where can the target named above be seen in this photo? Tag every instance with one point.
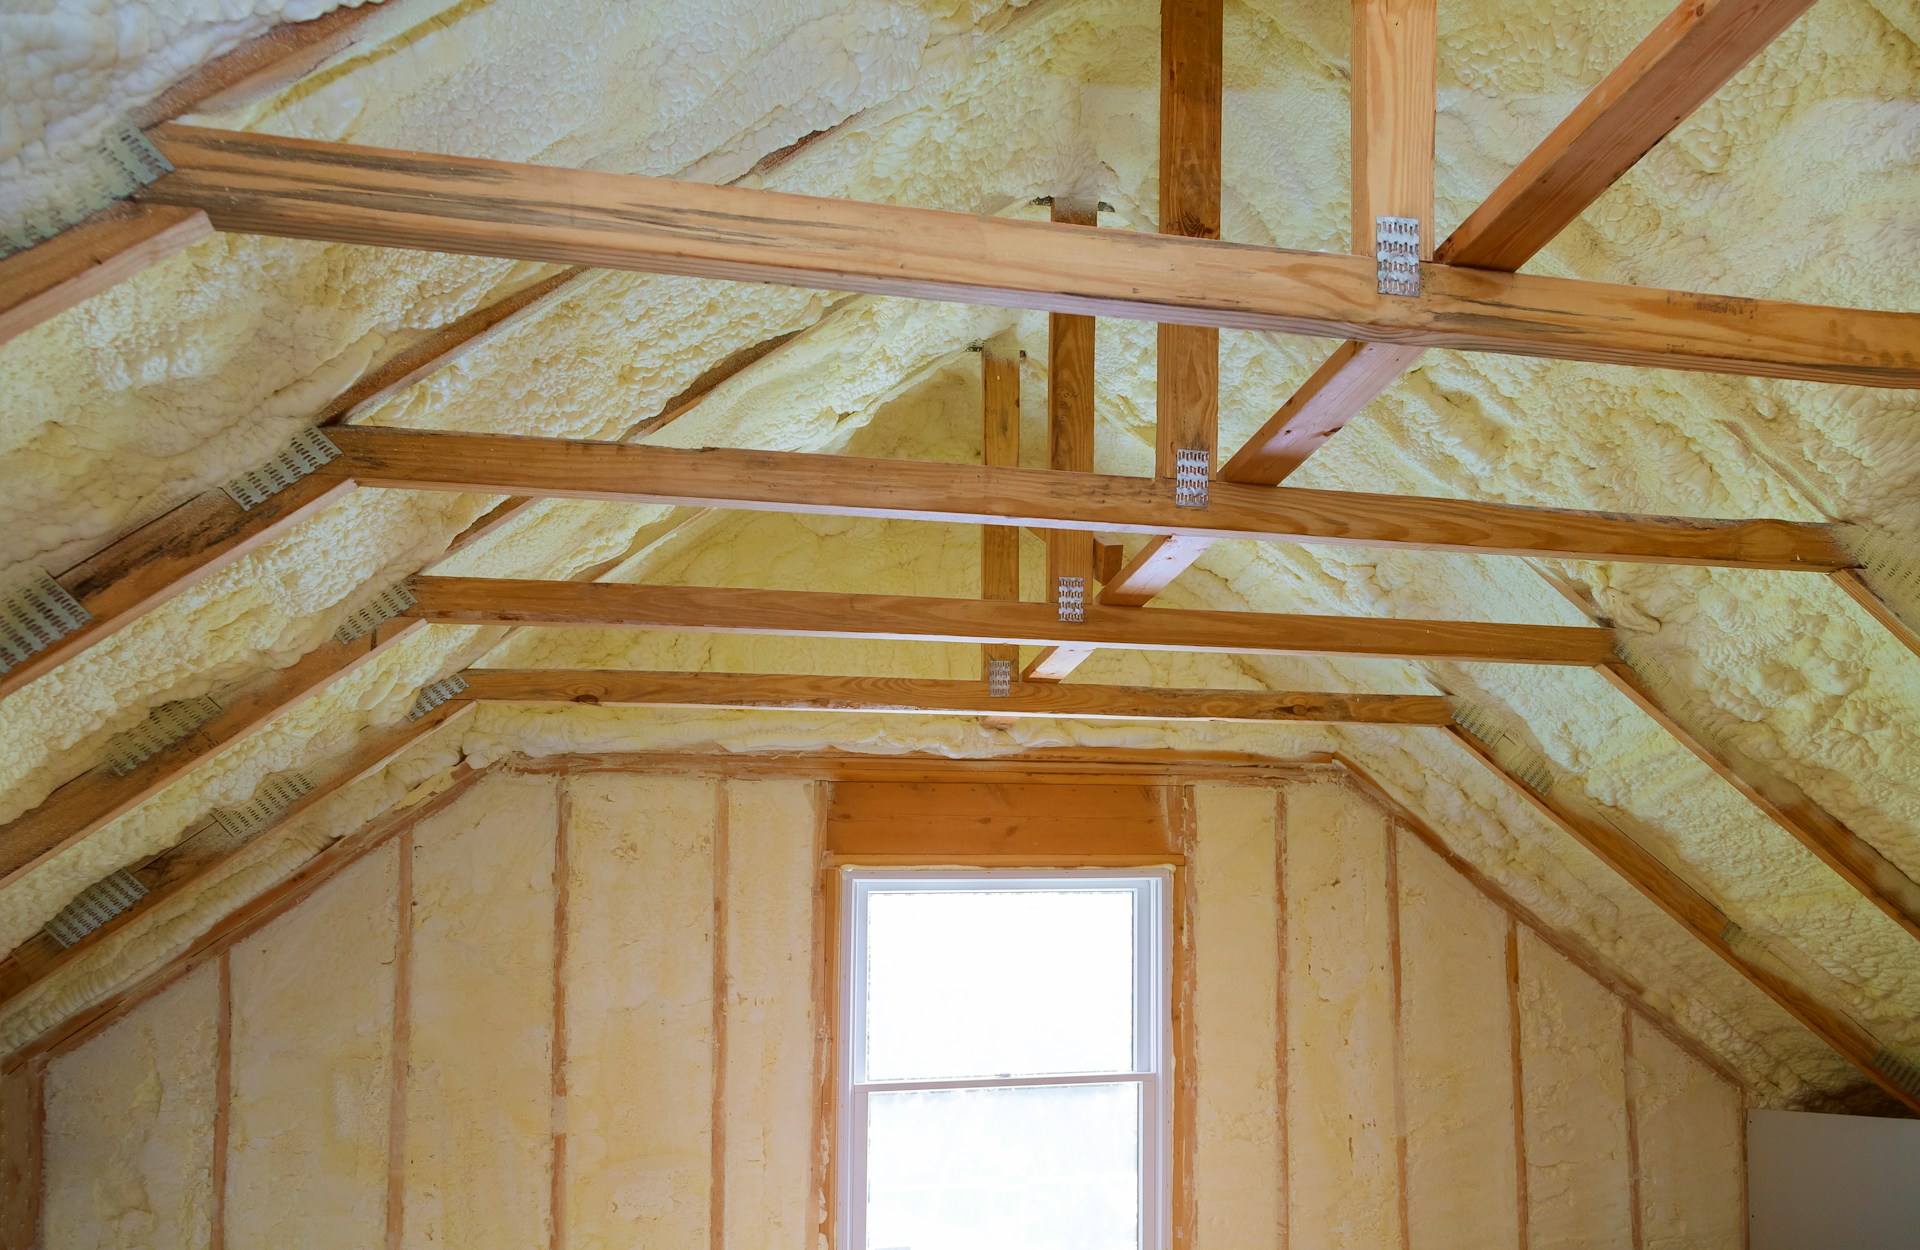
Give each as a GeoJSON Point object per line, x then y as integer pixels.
{"type": "Point", "coordinates": [1183, 278]}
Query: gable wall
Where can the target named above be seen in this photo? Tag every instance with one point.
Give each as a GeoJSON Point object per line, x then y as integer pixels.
{"type": "Point", "coordinates": [1362, 1022]}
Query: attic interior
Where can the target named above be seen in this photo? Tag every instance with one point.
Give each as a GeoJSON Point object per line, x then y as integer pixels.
{"type": "Point", "coordinates": [601, 605]}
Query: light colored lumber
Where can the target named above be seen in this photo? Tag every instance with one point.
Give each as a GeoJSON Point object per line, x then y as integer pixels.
{"type": "Point", "coordinates": [1709, 925]}
{"type": "Point", "coordinates": [1070, 412]}
{"type": "Point", "coordinates": [788, 692]}
{"type": "Point", "coordinates": [999, 446]}
{"type": "Point", "coordinates": [1670, 73]}
{"type": "Point", "coordinates": [1395, 58]}
{"type": "Point", "coordinates": [43, 281]}
{"type": "Point", "coordinates": [1187, 368]}
{"type": "Point", "coordinates": [824, 614]}
{"type": "Point", "coordinates": [1053, 499]}
{"type": "Point", "coordinates": [91, 800]}
{"type": "Point", "coordinates": [192, 861]}
{"type": "Point", "coordinates": [302, 188]}
{"type": "Point", "coordinates": [980, 821]}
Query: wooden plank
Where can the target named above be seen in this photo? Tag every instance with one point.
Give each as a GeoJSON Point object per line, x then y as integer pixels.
{"type": "Point", "coordinates": [1685, 59]}
{"type": "Point", "coordinates": [1055, 499]}
{"type": "Point", "coordinates": [788, 692]}
{"type": "Point", "coordinates": [823, 614]}
{"type": "Point", "coordinates": [1395, 57]}
{"type": "Point", "coordinates": [999, 446]}
{"type": "Point", "coordinates": [119, 241]}
{"type": "Point", "coordinates": [1669, 74]}
{"type": "Point", "coordinates": [150, 566]}
{"type": "Point", "coordinates": [1070, 410]}
{"type": "Point", "coordinates": [964, 821]}
{"type": "Point", "coordinates": [1878, 879]}
{"type": "Point", "coordinates": [194, 859]}
{"type": "Point", "coordinates": [1187, 369]}
{"type": "Point", "coordinates": [22, 1145]}
{"type": "Point", "coordinates": [92, 799]}
{"type": "Point", "coordinates": [309, 189]}
{"type": "Point", "coordinates": [1708, 924]}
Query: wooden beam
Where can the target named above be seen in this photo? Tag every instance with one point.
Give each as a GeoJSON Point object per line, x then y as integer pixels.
{"type": "Point", "coordinates": [43, 281]}
{"type": "Point", "coordinates": [1710, 926]}
{"type": "Point", "coordinates": [124, 239]}
{"type": "Point", "coordinates": [1670, 73]}
{"type": "Point", "coordinates": [999, 446]}
{"type": "Point", "coordinates": [782, 692]}
{"type": "Point", "coordinates": [150, 566]}
{"type": "Point", "coordinates": [91, 800]}
{"type": "Point", "coordinates": [195, 859]}
{"type": "Point", "coordinates": [1053, 499]}
{"type": "Point", "coordinates": [1070, 412]}
{"type": "Point", "coordinates": [1187, 370]}
{"type": "Point", "coordinates": [822, 614]}
{"type": "Point", "coordinates": [1855, 587]}
{"type": "Point", "coordinates": [1856, 860]}
{"type": "Point", "coordinates": [301, 188]}
{"type": "Point", "coordinates": [1685, 59]}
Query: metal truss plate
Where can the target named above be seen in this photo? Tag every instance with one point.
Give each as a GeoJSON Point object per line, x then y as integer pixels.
{"type": "Point", "coordinates": [1396, 253]}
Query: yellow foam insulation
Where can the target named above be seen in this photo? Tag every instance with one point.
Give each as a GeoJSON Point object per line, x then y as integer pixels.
{"type": "Point", "coordinates": [767, 1104]}
{"type": "Point", "coordinates": [1456, 1070]}
{"type": "Point", "coordinates": [480, 1057]}
{"type": "Point", "coordinates": [1691, 1129]}
{"type": "Point", "coordinates": [639, 970]}
{"type": "Point", "coordinates": [1236, 1006]}
{"type": "Point", "coordinates": [129, 1128]}
{"type": "Point", "coordinates": [1342, 1176]}
{"type": "Point", "coordinates": [1574, 1081]}
{"type": "Point", "coordinates": [1793, 182]}
{"type": "Point", "coordinates": [313, 1066]}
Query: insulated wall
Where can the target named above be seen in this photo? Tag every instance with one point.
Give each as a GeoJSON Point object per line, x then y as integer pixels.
{"type": "Point", "coordinates": [599, 995]}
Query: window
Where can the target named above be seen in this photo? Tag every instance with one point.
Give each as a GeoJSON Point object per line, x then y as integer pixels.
{"type": "Point", "coordinates": [1002, 1060]}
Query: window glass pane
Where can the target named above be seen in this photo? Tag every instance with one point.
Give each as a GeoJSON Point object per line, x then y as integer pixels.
{"type": "Point", "coordinates": [977, 982]}
{"type": "Point", "coordinates": [1045, 1167]}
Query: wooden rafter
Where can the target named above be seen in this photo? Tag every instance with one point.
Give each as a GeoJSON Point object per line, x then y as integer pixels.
{"type": "Point", "coordinates": [1056, 499]}
{"type": "Point", "coordinates": [301, 188]}
{"type": "Point", "coordinates": [823, 614]}
{"type": "Point", "coordinates": [786, 692]}
{"type": "Point", "coordinates": [1710, 926]}
{"type": "Point", "coordinates": [1682, 62]}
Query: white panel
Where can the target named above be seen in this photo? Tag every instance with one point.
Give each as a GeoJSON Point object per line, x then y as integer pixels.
{"type": "Point", "coordinates": [1236, 955]}
{"type": "Point", "coordinates": [312, 1066]}
{"type": "Point", "coordinates": [479, 1062]}
{"type": "Point", "coordinates": [1832, 1180]}
{"type": "Point", "coordinates": [1342, 1159]}
{"type": "Point", "coordinates": [1576, 1117]}
{"type": "Point", "coordinates": [1457, 1060]}
{"type": "Point", "coordinates": [639, 975]}
{"type": "Point", "coordinates": [129, 1128]}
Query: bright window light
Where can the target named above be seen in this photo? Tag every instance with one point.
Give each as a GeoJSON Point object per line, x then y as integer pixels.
{"type": "Point", "coordinates": [1004, 1038]}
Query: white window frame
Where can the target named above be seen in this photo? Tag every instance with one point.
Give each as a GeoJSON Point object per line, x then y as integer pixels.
{"type": "Point", "coordinates": [1153, 1027]}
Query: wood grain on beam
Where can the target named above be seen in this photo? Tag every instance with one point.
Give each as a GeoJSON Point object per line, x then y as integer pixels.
{"type": "Point", "coordinates": [999, 447]}
{"type": "Point", "coordinates": [1690, 55]}
{"type": "Point", "coordinates": [43, 281]}
{"type": "Point", "coordinates": [302, 188]}
{"type": "Point", "coordinates": [150, 566]}
{"type": "Point", "coordinates": [1669, 74]}
{"type": "Point", "coordinates": [781, 692]}
{"type": "Point", "coordinates": [1395, 62]}
{"type": "Point", "coordinates": [91, 800]}
{"type": "Point", "coordinates": [1707, 923]}
{"type": "Point", "coordinates": [1070, 414]}
{"type": "Point", "coordinates": [822, 614]}
{"type": "Point", "coordinates": [1049, 499]}
{"type": "Point", "coordinates": [1187, 369]}
{"type": "Point", "coordinates": [1855, 859]}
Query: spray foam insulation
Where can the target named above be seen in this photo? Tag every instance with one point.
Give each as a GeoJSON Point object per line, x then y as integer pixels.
{"type": "Point", "coordinates": [205, 365]}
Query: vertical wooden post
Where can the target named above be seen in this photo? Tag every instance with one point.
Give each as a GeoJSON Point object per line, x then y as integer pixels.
{"type": "Point", "coordinates": [1394, 72]}
{"type": "Point", "coordinates": [558, 1119]}
{"type": "Point", "coordinates": [22, 1152]}
{"type": "Point", "coordinates": [401, 1055]}
{"type": "Point", "coordinates": [999, 446]}
{"type": "Point", "coordinates": [222, 1105]}
{"type": "Point", "coordinates": [1070, 386]}
{"type": "Point", "coordinates": [1522, 1204]}
{"type": "Point", "coordinates": [1191, 97]}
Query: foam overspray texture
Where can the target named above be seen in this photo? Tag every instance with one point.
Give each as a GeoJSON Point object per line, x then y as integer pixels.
{"type": "Point", "coordinates": [205, 365]}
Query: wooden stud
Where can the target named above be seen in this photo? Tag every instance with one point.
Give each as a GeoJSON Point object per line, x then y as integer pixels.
{"type": "Point", "coordinates": [222, 1106]}
{"type": "Point", "coordinates": [1708, 924]}
{"type": "Point", "coordinates": [775, 691]}
{"type": "Point", "coordinates": [976, 821]}
{"type": "Point", "coordinates": [1187, 372]}
{"type": "Point", "coordinates": [1055, 499]}
{"type": "Point", "coordinates": [719, 994]}
{"type": "Point", "coordinates": [22, 1153]}
{"type": "Point", "coordinates": [560, 1116]}
{"type": "Point", "coordinates": [1282, 1055]}
{"type": "Point", "coordinates": [1516, 1056]}
{"type": "Point", "coordinates": [1070, 411]}
{"type": "Point", "coordinates": [43, 281]}
{"type": "Point", "coordinates": [1395, 54]}
{"type": "Point", "coordinates": [1396, 987]}
{"type": "Point", "coordinates": [1185, 1084]}
{"type": "Point", "coordinates": [400, 1057]}
{"type": "Point", "coordinates": [1627, 1083]}
{"type": "Point", "coordinates": [301, 188]}
{"type": "Point", "coordinates": [999, 447]}
{"type": "Point", "coordinates": [823, 614]}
